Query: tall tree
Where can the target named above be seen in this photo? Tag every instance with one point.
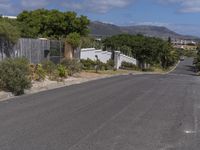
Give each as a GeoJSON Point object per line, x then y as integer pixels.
{"type": "Point", "coordinates": [74, 40]}
{"type": "Point", "coordinates": [9, 35]}
{"type": "Point", "coordinates": [52, 23]}
{"type": "Point", "coordinates": [169, 40]}
{"type": "Point", "coordinates": [147, 50]}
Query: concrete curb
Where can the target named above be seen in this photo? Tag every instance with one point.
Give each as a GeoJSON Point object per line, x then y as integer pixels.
{"type": "Point", "coordinates": [173, 68]}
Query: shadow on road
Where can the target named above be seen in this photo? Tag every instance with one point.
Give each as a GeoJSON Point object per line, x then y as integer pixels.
{"type": "Point", "coordinates": [185, 67]}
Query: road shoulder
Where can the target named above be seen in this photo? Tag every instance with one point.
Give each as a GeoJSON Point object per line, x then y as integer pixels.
{"type": "Point", "coordinates": [76, 79]}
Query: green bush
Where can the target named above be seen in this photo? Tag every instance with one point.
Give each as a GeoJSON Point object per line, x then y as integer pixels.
{"type": "Point", "coordinates": [102, 66]}
{"type": "Point", "coordinates": [49, 67]}
{"type": "Point", "coordinates": [189, 53]}
{"type": "Point", "coordinates": [88, 64]}
{"type": "Point", "coordinates": [151, 69]}
{"type": "Point", "coordinates": [128, 66]}
{"type": "Point", "coordinates": [39, 72]}
{"type": "Point", "coordinates": [110, 64]}
{"type": "Point", "coordinates": [62, 72]}
{"type": "Point", "coordinates": [14, 75]}
{"type": "Point", "coordinates": [73, 66]}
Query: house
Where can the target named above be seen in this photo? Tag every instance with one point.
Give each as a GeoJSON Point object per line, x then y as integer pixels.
{"type": "Point", "coordinates": [185, 44]}
{"type": "Point", "coordinates": [9, 17]}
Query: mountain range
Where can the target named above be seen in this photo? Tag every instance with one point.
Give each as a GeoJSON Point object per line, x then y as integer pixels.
{"type": "Point", "coordinates": [100, 29]}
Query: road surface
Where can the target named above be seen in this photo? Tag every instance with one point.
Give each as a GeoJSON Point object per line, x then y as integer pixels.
{"type": "Point", "coordinates": [132, 112]}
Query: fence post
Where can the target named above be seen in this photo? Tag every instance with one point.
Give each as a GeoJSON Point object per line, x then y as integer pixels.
{"type": "Point", "coordinates": [116, 60]}
{"type": "Point", "coordinates": [60, 49]}
{"type": "Point", "coordinates": [2, 50]}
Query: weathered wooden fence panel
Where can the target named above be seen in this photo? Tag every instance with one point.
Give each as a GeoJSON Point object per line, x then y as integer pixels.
{"type": "Point", "coordinates": [35, 50]}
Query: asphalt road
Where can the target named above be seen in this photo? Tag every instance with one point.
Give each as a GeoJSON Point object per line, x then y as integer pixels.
{"type": "Point", "coordinates": [132, 112]}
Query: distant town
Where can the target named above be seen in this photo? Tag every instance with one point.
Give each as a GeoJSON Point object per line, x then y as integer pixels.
{"type": "Point", "coordinates": [184, 44]}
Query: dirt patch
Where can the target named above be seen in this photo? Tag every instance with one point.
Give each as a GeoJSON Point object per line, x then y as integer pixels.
{"type": "Point", "coordinates": [90, 75]}
{"type": "Point", "coordinates": [76, 79]}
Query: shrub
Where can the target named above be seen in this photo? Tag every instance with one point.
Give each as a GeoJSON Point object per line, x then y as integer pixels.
{"type": "Point", "coordinates": [59, 73]}
{"type": "Point", "coordinates": [73, 66]}
{"type": "Point", "coordinates": [101, 65]}
{"type": "Point", "coordinates": [37, 72]}
{"type": "Point", "coordinates": [150, 69]}
{"type": "Point", "coordinates": [14, 75]}
{"type": "Point", "coordinates": [32, 71]}
{"type": "Point", "coordinates": [189, 53]}
{"type": "Point", "coordinates": [40, 73]}
{"type": "Point", "coordinates": [128, 66]}
{"type": "Point", "coordinates": [49, 67]}
{"type": "Point", "coordinates": [62, 72]}
{"type": "Point", "coordinates": [88, 64]}
{"type": "Point", "coordinates": [110, 64]}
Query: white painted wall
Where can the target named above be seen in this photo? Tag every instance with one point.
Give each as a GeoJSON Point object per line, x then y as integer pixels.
{"type": "Point", "coordinates": [104, 56]}
{"type": "Point", "coordinates": [127, 59]}
{"type": "Point", "coordinates": [90, 53]}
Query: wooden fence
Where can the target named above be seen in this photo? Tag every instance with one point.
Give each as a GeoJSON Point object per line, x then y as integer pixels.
{"type": "Point", "coordinates": [35, 50]}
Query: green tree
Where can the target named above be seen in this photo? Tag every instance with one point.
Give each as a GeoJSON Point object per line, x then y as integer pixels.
{"type": "Point", "coordinates": [9, 35]}
{"type": "Point", "coordinates": [147, 50]}
{"type": "Point", "coordinates": [8, 32]}
{"type": "Point", "coordinates": [52, 23]}
{"type": "Point", "coordinates": [197, 58]}
{"type": "Point", "coordinates": [90, 42]}
{"type": "Point", "coordinates": [126, 50]}
{"type": "Point", "coordinates": [74, 39]}
{"type": "Point", "coordinates": [87, 42]}
{"type": "Point", "coordinates": [169, 40]}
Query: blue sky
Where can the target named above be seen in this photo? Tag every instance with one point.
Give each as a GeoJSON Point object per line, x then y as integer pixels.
{"type": "Point", "coordinates": [181, 16]}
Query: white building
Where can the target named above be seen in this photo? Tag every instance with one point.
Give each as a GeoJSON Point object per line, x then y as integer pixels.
{"type": "Point", "coordinates": [9, 17]}
{"type": "Point", "coordinates": [183, 42]}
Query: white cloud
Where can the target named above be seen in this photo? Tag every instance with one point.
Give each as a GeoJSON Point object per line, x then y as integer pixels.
{"type": "Point", "coordinates": [32, 4]}
{"type": "Point", "coordinates": [11, 7]}
{"type": "Point", "coordinates": [99, 6]}
{"type": "Point", "coordinates": [6, 6]}
{"type": "Point", "coordinates": [186, 6]}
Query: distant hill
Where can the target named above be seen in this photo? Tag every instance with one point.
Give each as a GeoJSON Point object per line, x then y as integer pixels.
{"type": "Point", "coordinates": [104, 29]}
